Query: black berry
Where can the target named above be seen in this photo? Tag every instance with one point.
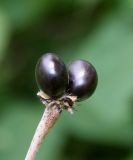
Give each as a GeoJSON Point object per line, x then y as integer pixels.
{"type": "Point", "coordinates": [51, 75]}
{"type": "Point", "coordinates": [82, 79]}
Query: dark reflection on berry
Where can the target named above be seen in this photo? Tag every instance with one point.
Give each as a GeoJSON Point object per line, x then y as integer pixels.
{"type": "Point", "coordinates": [82, 79]}
{"type": "Point", "coordinates": [51, 75]}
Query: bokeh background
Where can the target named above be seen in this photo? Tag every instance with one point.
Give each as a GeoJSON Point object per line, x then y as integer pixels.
{"type": "Point", "coordinates": [99, 31]}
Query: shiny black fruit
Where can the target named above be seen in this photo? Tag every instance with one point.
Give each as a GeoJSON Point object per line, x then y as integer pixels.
{"type": "Point", "coordinates": [82, 79]}
{"type": "Point", "coordinates": [51, 75]}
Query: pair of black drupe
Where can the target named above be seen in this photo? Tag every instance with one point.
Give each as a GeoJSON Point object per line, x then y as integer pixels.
{"type": "Point", "coordinates": [78, 79]}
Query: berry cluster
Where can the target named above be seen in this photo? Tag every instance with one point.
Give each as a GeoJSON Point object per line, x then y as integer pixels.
{"type": "Point", "coordinates": [64, 85]}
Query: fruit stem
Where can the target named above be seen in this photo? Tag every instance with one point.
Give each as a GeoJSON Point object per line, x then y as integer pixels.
{"type": "Point", "coordinates": [50, 115]}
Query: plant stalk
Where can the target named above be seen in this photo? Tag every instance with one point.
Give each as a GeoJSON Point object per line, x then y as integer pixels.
{"type": "Point", "coordinates": [50, 115]}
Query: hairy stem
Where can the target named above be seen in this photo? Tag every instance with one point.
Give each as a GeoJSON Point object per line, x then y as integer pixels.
{"type": "Point", "coordinates": [50, 115]}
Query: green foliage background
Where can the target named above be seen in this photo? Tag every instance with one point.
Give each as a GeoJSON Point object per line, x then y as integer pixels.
{"type": "Point", "coordinates": [99, 31]}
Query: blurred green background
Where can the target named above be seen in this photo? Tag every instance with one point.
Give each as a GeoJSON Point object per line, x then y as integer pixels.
{"type": "Point", "coordinates": [99, 31]}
